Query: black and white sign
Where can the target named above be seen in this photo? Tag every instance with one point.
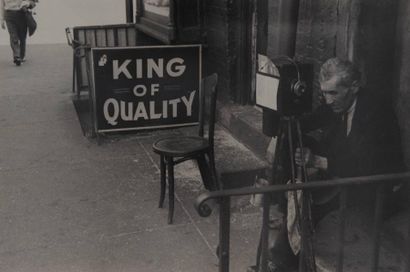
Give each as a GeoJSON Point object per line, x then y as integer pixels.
{"type": "Point", "coordinates": [146, 87]}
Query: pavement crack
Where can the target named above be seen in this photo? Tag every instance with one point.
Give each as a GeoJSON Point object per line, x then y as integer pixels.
{"type": "Point", "coordinates": [120, 235]}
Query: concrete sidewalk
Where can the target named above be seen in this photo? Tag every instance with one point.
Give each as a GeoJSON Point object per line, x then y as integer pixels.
{"type": "Point", "coordinates": [67, 204]}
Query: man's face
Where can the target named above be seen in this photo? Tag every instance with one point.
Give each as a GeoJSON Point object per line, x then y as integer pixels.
{"type": "Point", "coordinates": [337, 96]}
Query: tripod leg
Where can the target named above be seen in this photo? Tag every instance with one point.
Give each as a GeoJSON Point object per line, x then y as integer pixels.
{"type": "Point", "coordinates": [300, 207]}
{"type": "Point", "coordinates": [278, 150]}
{"type": "Point", "coordinates": [304, 176]}
{"type": "Point", "coordinates": [291, 150]}
{"type": "Point", "coordinates": [307, 222]}
{"type": "Point", "coordinates": [262, 250]}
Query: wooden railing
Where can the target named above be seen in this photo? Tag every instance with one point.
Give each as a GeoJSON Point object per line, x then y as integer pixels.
{"type": "Point", "coordinates": [86, 37]}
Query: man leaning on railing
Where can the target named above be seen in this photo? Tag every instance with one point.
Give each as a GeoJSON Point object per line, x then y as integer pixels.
{"type": "Point", "coordinates": [360, 137]}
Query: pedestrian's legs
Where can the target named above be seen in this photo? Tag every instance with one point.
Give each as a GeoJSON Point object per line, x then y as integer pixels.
{"type": "Point", "coordinates": [23, 45]}
{"type": "Point", "coordinates": [22, 32]}
{"type": "Point", "coordinates": [14, 36]}
{"type": "Point", "coordinates": [17, 28]}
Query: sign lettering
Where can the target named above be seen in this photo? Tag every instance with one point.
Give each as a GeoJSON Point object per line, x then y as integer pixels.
{"type": "Point", "coordinates": [146, 87]}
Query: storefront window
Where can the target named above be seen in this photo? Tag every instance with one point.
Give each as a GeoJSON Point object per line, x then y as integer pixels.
{"type": "Point", "coordinates": [172, 22]}
{"type": "Point", "coordinates": [157, 9]}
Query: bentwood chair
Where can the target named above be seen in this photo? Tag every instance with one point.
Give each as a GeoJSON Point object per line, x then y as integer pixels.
{"type": "Point", "coordinates": [177, 149]}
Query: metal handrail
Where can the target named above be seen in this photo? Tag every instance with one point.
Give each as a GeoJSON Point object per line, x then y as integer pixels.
{"type": "Point", "coordinates": [224, 200]}
{"type": "Point", "coordinates": [204, 210]}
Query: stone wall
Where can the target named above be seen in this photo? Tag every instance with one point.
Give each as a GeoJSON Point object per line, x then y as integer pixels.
{"type": "Point", "coordinates": [216, 54]}
{"type": "Point", "coordinates": [360, 30]}
{"type": "Point", "coordinates": [228, 40]}
{"type": "Point", "coordinates": [402, 75]}
{"type": "Point", "coordinates": [375, 34]}
{"type": "Point", "coordinates": [317, 37]}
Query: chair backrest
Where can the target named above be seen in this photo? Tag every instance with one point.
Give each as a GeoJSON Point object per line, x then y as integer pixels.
{"type": "Point", "coordinates": [207, 106]}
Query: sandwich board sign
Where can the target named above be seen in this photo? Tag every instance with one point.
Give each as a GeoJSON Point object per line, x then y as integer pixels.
{"type": "Point", "coordinates": [145, 87]}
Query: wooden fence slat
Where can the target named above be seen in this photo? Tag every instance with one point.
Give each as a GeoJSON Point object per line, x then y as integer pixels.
{"type": "Point", "coordinates": [101, 38]}
{"type": "Point", "coordinates": [132, 39]}
{"type": "Point", "coordinates": [83, 65]}
{"type": "Point", "coordinates": [122, 37]}
{"type": "Point", "coordinates": [110, 37]}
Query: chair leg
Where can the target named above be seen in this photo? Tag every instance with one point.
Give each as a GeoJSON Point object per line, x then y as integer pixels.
{"type": "Point", "coordinates": [170, 190]}
{"type": "Point", "coordinates": [163, 181]}
{"type": "Point", "coordinates": [205, 172]}
{"type": "Point", "coordinates": [214, 174]}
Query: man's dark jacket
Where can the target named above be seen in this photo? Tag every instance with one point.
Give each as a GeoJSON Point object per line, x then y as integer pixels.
{"type": "Point", "coordinates": [373, 145]}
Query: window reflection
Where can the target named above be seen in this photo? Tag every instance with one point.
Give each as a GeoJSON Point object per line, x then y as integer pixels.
{"type": "Point", "coordinates": [158, 7]}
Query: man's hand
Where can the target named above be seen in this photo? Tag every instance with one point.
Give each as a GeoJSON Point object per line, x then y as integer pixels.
{"type": "Point", "coordinates": [3, 25]}
{"type": "Point", "coordinates": [309, 159]}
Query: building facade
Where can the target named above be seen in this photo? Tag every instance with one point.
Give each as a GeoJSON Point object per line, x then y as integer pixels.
{"type": "Point", "coordinates": [372, 33]}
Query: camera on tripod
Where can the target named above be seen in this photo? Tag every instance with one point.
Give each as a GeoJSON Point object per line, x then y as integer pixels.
{"type": "Point", "coordinates": [286, 93]}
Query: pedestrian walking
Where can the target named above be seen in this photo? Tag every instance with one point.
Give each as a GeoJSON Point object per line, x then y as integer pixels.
{"type": "Point", "coordinates": [13, 13]}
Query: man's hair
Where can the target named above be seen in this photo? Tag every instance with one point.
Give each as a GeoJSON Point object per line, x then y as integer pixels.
{"type": "Point", "coordinates": [336, 67]}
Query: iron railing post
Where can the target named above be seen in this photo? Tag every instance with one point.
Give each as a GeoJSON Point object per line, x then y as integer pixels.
{"type": "Point", "coordinates": [378, 180]}
{"type": "Point", "coordinates": [302, 263]}
{"type": "Point", "coordinates": [224, 233]}
{"type": "Point", "coordinates": [342, 227]}
{"type": "Point", "coordinates": [378, 217]}
{"type": "Point", "coordinates": [265, 233]}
